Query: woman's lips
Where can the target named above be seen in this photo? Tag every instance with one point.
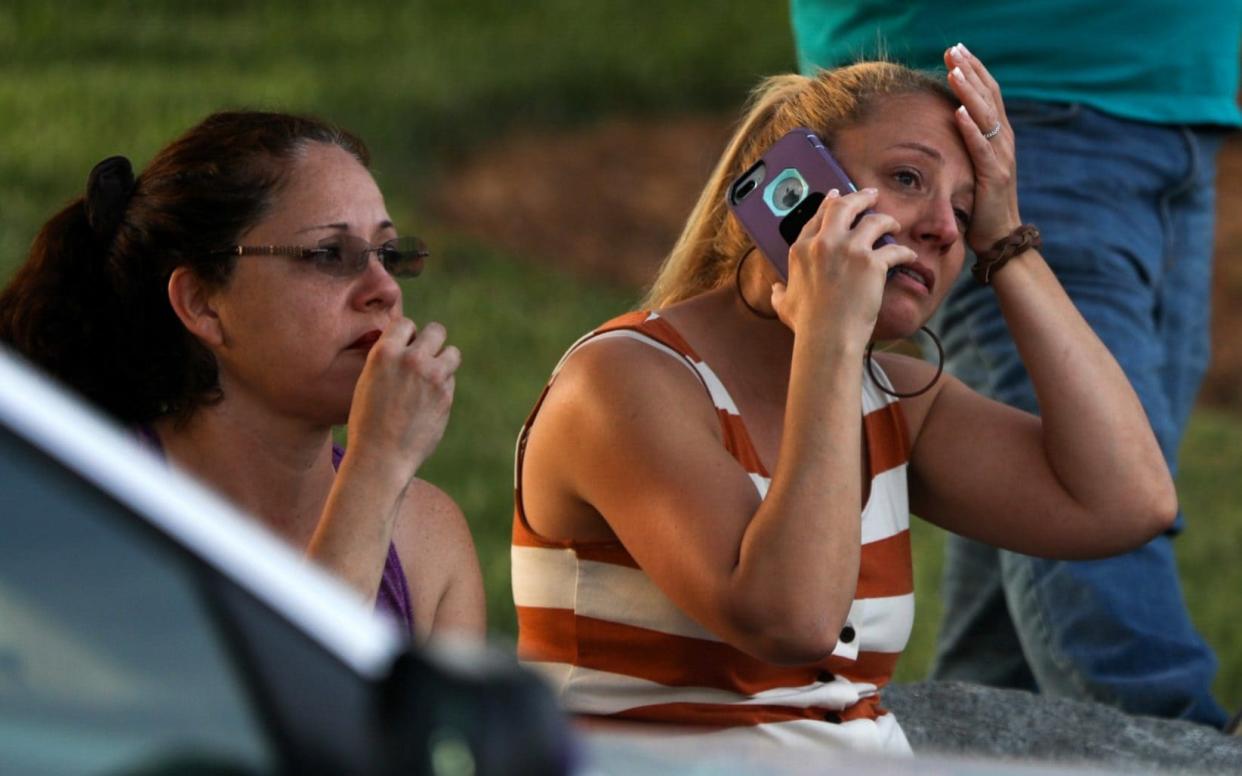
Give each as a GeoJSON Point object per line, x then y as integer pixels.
{"type": "Point", "coordinates": [914, 275]}
{"type": "Point", "coordinates": [366, 340]}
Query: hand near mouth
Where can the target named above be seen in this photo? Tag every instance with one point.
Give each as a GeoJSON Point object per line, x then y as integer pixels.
{"type": "Point", "coordinates": [402, 400]}
{"type": "Point", "coordinates": [366, 341]}
{"type": "Point", "coordinates": [836, 274]}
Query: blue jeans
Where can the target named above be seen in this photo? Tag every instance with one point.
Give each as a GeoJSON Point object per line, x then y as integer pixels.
{"type": "Point", "coordinates": [1126, 210]}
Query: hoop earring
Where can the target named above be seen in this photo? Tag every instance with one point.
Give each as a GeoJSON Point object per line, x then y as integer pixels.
{"type": "Point", "coordinates": [924, 389]}
{"type": "Point", "coordinates": [737, 282]}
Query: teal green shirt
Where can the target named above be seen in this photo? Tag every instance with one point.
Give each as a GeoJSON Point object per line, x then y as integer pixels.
{"type": "Point", "coordinates": [1163, 61]}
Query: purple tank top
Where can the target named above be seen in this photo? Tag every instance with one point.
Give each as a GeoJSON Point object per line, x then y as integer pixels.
{"type": "Point", "coordinates": [393, 597]}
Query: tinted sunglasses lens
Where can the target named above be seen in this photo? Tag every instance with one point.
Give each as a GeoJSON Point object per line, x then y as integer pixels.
{"type": "Point", "coordinates": [404, 257]}
{"type": "Point", "coordinates": [341, 256]}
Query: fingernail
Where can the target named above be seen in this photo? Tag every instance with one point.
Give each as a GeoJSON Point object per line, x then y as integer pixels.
{"type": "Point", "coordinates": [961, 111]}
{"type": "Point", "coordinates": [870, 190]}
{"type": "Point", "coordinates": [965, 51]}
{"type": "Point", "coordinates": [957, 52]}
{"type": "Point", "coordinates": [956, 73]}
{"type": "Point", "coordinates": [833, 193]}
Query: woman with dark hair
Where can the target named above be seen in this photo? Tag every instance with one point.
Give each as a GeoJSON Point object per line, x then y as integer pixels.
{"type": "Point", "coordinates": [233, 303]}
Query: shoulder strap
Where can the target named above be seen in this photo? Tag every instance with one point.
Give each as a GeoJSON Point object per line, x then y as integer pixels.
{"type": "Point", "coordinates": [642, 326]}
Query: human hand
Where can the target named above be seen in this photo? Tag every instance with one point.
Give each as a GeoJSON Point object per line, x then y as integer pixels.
{"type": "Point", "coordinates": [402, 400]}
{"type": "Point", "coordinates": [996, 181]}
{"type": "Point", "coordinates": [836, 275]}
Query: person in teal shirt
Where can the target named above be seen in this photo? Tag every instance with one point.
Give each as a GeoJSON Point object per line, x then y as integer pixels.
{"type": "Point", "coordinates": [1118, 110]}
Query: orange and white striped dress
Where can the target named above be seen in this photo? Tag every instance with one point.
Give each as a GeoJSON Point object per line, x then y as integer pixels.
{"type": "Point", "coordinates": [614, 646]}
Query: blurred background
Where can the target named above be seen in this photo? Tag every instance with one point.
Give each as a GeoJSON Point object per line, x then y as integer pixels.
{"type": "Point", "coordinates": [548, 151]}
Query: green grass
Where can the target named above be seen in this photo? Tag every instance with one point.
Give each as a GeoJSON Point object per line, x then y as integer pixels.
{"type": "Point", "coordinates": [420, 81]}
{"type": "Point", "coordinates": [1210, 552]}
{"type": "Point", "coordinates": [424, 82]}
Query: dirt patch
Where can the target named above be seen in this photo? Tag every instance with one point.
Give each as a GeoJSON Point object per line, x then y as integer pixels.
{"type": "Point", "coordinates": [609, 201]}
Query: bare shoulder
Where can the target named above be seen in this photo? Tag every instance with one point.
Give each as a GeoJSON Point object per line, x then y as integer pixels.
{"type": "Point", "coordinates": [438, 554]}
{"type": "Point", "coordinates": [618, 376]}
{"type": "Point", "coordinates": [613, 399]}
{"type": "Point", "coordinates": [429, 511]}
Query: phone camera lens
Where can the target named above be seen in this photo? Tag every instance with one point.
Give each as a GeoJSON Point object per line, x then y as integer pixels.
{"type": "Point", "coordinates": [789, 193]}
{"type": "Point", "coordinates": [785, 191]}
{"type": "Point", "coordinates": [747, 187]}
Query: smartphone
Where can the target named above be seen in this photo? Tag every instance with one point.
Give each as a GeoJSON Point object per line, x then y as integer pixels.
{"type": "Point", "coordinates": [777, 196]}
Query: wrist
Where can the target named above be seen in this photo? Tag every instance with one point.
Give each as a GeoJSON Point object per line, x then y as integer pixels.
{"type": "Point", "coordinates": [830, 343]}
{"type": "Point", "coordinates": [1021, 239]}
{"type": "Point", "coordinates": [379, 471]}
{"type": "Point", "coordinates": [981, 239]}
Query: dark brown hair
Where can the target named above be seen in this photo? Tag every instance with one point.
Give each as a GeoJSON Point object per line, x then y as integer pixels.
{"type": "Point", "coordinates": [92, 309]}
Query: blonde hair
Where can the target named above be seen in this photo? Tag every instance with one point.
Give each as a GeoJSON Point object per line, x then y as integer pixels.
{"type": "Point", "coordinates": [711, 243]}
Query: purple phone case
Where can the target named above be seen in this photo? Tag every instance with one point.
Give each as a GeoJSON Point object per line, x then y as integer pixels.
{"type": "Point", "coordinates": [802, 150]}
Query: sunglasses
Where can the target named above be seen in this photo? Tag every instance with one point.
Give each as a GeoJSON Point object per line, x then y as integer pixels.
{"type": "Point", "coordinates": [347, 255]}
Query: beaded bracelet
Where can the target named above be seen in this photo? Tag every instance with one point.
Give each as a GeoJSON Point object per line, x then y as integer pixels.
{"type": "Point", "coordinates": [1020, 240]}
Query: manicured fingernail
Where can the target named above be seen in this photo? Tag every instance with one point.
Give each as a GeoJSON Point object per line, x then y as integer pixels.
{"type": "Point", "coordinates": [957, 52]}
{"type": "Point", "coordinates": [961, 112]}
{"type": "Point", "coordinates": [965, 51]}
{"type": "Point", "coordinates": [870, 190]}
{"type": "Point", "coordinates": [832, 193]}
{"type": "Point", "coordinates": [957, 73]}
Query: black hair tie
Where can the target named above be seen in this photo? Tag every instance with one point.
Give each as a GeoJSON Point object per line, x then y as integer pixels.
{"type": "Point", "coordinates": [108, 190]}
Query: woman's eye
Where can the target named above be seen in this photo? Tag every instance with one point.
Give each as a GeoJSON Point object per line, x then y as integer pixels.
{"type": "Point", "coordinates": [326, 254]}
{"type": "Point", "coordinates": [962, 216]}
{"type": "Point", "coordinates": [907, 178]}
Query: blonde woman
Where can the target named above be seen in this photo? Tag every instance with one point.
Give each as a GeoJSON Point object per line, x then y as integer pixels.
{"type": "Point", "coordinates": [713, 492]}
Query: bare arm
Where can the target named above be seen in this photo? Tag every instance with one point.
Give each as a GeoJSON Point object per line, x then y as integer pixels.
{"type": "Point", "coordinates": [631, 435]}
{"type": "Point", "coordinates": [441, 565]}
{"type": "Point", "coordinates": [1087, 477]}
{"type": "Point", "coordinates": [400, 408]}
{"type": "Point", "coordinates": [628, 433]}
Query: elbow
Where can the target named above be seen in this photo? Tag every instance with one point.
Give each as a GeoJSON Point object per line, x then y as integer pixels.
{"type": "Point", "coordinates": [1148, 512]}
{"type": "Point", "coordinates": [1163, 509]}
{"type": "Point", "coordinates": [1158, 498]}
{"type": "Point", "coordinates": [1157, 504]}
{"type": "Point", "coordinates": [789, 649]}
{"type": "Point", "coordinates": [794, 650]}
{"type": "Point", "coordinates": [778, 636]}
